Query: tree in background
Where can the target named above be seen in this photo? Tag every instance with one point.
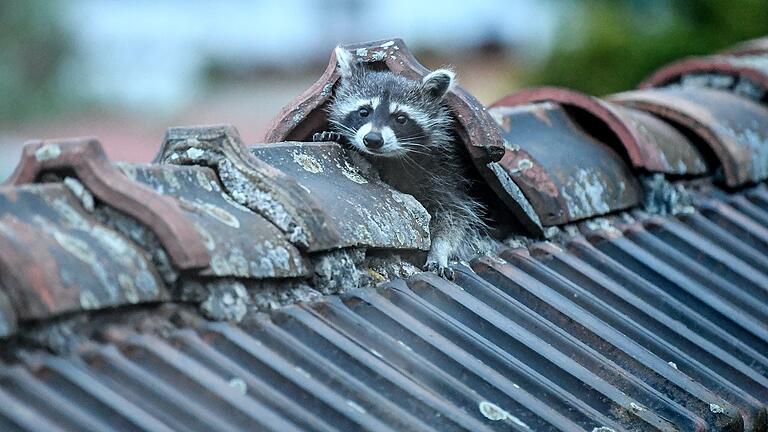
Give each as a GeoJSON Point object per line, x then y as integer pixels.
{"type": "Point", "coordinates": [33, 49]}
{"type": "Point", "coordinates": [606, 46]}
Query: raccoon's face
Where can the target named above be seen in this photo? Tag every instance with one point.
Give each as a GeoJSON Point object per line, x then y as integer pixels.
{"type": "Point", "coordinates": [384, 114]}
{"type": "Point", "coordinates": [379, 126]}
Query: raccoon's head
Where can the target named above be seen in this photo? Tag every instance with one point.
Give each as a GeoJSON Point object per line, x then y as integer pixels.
{"type": "Point", "coordinates": [384, 114]}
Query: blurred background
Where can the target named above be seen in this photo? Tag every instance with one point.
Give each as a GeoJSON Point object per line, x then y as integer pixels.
{"type": "Point", "coordinates": [125, 71]}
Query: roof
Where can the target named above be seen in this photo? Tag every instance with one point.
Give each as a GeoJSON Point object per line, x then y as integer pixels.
{"type": "Point", "coordinates": [276, 286]}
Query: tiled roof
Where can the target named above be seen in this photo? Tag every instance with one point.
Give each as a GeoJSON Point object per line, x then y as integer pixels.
{"type": "Point", "coordinates": [275, 286]}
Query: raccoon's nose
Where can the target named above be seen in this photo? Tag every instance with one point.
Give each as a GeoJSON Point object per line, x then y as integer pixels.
{"type": "Point", "coordinates": [373, 140]}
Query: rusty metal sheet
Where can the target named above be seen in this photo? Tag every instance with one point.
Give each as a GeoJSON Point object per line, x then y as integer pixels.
{"type": "Point", "coordinates": [306, 114]}
{"type": "Point", "coordinates": [57, 259]}
{"type": "Point", "coordinates": [758, 46]}
{"type": "Point", "coordinates": [240, 242]}
{"type": "Point", "coordinates": [85, 159]}
{"type": "Point", "coordinates": [563, 171]}
{"type": "Point", "coordinates": [647, 142]}
{"type": "Point", "coordinates": [744, 75]}
{"type": "Point", "coordinates": [734, 129]}
{"type": "Point", "coordinates": [363, 210]}
{"type": "Point", "coordinates": [252, 182]}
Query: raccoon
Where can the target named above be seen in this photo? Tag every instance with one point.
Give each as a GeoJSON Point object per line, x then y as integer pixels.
{"type": "Point", "coordinates": [404, 129]}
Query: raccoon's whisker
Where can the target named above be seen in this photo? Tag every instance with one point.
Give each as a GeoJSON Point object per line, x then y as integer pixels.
{"type": "Point", "coordinates": [416, 152]}
{"type": "Point", "coordinates": [409, 150]}
{"type": "Point", "coordinates": [413, 137]}
{"type": "Point", "coordinates": [418, 134]}
{"type": "Point", "coordinates": [415, 148]}
{"type": "Point", "coordinates": [343, 127]}
{"type": "Point", "coordinates": [338, 123]}
{"type": "Point", "coordinates": [413, 144]}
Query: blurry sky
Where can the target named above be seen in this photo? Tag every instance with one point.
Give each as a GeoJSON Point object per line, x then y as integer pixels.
{"type": "Point", "coordinates": [124, 71]}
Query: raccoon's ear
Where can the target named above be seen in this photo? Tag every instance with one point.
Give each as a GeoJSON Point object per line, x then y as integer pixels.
{"type": "Point", "coordinates": [437, 83]}
{"type": "Point", "coordinates": [345, 61]}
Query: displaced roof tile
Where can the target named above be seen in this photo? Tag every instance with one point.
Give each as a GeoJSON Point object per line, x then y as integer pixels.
{"type": "Point", "coordinates": [564, 172]}
{"type": "Point", "coordinates": [306, 114]}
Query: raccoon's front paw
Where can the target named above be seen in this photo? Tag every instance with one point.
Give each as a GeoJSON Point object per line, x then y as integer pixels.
{"type": "Point", "coordinates": [441, 270]}
{"type": "Point", "coordinates": [326, 136]}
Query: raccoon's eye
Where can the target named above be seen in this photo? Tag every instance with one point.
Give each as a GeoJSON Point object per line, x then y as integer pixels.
{"type": "Point", "coordinates": [402, 119]}
{"type": "Point", "coordinates": [364, 112]}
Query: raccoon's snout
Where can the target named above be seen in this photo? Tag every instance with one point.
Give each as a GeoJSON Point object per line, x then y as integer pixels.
{"type": "Point", "coordinates": [373, 140]}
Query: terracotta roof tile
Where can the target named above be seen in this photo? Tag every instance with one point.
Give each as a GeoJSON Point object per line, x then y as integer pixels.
{"type": "Point", "coordinates": [732, 127]}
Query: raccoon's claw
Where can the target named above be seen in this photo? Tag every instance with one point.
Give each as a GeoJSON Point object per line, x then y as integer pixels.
{"type": "Point", "coordinates": [441, 270]}
{"type": "Point", "coordinates": [326, 136]}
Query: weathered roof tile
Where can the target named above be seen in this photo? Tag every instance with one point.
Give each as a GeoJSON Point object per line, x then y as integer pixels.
{"type": "Point", "coordinates": [84, 159]}
{"type": "Point", "coordinates": [57, 259]}
{"type": "Point", "coordinates": [646, 141]}
{"type": "Point", "coordinates": [359, 206]}
{"type": "Point", "coordinates": [732, 127]}
{"type": "Point", "coordinates": [252, 182]}
{"type": "Point", "coordinates": [241, 243]}
{"type": "Point", "coordinates": [564, 172]}
{"type": "Point", "coordinates": [744, 75]}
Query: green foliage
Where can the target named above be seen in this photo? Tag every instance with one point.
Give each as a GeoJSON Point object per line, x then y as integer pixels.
{"type": "Point", "coordinates": [33, 48]}
{"type": "Point", "coordinates": [605, 46]}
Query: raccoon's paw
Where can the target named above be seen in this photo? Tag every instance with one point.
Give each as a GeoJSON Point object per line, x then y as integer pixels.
{"type": "Point", "coordinates": [326, 136]}
{"type": "Point", "coordinates": [441, 270]}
